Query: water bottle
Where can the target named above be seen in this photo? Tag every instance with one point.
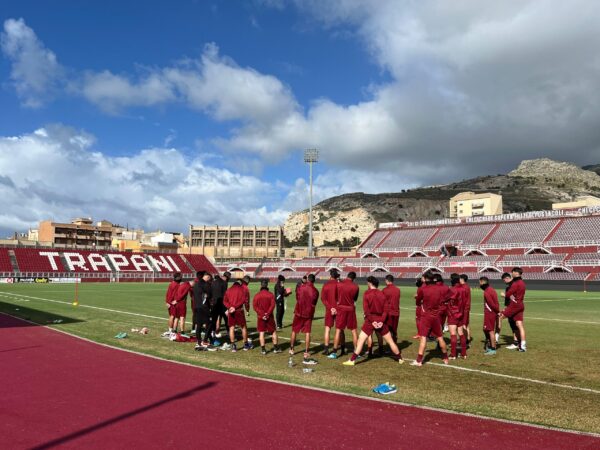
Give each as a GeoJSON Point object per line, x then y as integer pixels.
{"type": "Point", "coordinates": [291, 362]}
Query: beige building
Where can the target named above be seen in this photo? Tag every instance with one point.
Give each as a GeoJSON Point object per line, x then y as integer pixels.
{"type": "Point", "coordinates": [80, 233]}
{"type": "Point", "coordinates": [236, 241]}
{"type": "Point", "coordinates": [469, 204]}
{"type": "Point", "coordinates": [579, 202]}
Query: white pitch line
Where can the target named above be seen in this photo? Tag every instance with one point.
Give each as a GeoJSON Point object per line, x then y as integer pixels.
{"type": "Point", "coordinates": [530, 380]}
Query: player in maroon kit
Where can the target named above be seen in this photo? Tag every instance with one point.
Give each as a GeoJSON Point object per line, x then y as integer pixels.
{"type": "Point", "coordinates": [467, 315]}
{"type": "Point", "coordinates": [346, 314]}
{"type": "Point", "coordinates": [516, 307]}
{"type": "Point", "coordinates": [234, 301]}
{"type": "Point", "coordinates": [420, 283]}
{"type": "Point", "coordinates": [307, 297]}
{"type": "Point", "coordinates": [375, 310]}
{"type": "Point", "coordinates": [456, 311]}
{"type": "Point", "coordinates": [329, 294]}
{"type": "Point", "coordinates": [264, 305]}
{"type": "Point", "coordinates": [392, 297]}
{"type": "Point", "coordinates": [430, 299]}
{"type": "Point", "coordinates": [491, 308]}
{"type": "Point", "coordinates": [184, 289]}
{"type": "Point", "coordinates": [170, 301]}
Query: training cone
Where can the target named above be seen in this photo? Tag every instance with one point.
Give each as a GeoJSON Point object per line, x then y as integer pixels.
{"type": "Point", "coordinates": [75, 303]}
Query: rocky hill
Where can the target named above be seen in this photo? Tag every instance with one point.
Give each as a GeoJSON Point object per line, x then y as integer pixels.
{"type": "Point", "coordinates": [533, 185]}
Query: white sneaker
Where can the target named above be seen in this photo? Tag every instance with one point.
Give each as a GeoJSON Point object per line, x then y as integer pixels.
{"type": "Point", "coordinates": [226, 346]}
{"type": "Point", "coordinates": [166, 334]}
{"type": "Point", "coordinates": [446, 328]}
{"type": "Point", "coordinates": [512, 347]}
{"type": "Point", "coordinates": [416, 363]}
{"type": "Point", "coordinates": [218, 335]}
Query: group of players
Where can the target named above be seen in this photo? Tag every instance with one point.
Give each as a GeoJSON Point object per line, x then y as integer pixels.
{"type": "Point", "coordinates": [438, 308]}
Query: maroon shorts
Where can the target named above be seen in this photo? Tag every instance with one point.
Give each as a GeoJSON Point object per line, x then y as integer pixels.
{"type": "Point", "coordinates": [329, 318]}
{"type": "Point", "coordinates": [392, 323]}
{"type": "Point", "coordinates": [454, 320]}
{"type": "Point", "coordinates": [173, 310]}
{"type": "Point", "coordinates": [489, 320]}
{"type": "Point", "coordinates": [237, 319]}
{"type": "Point", "coordinates": [301, 324]}
{"type": "Point", "coordinates": [180, 309]}
{"type": "Point", "coordinates": [430, 325]}
{"type": "Point", "coordinates": [346, 320]}
{"type": "Point", "coordinates": [267, 326]}
{"type": "Point", "coordinates": [368, 328]}
{"type": "Point", "coordinates": [517, 315]}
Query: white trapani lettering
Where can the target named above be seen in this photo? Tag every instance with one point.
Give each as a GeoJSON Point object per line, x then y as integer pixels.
{"type": "Point", "coordinates": [97, 260]}
{"type": "Point", "coordinates": [75, 260]}
{"type": "Point", "coordinates": [51, 260]}
{"type": "Point", "coordinates": [140, 263]}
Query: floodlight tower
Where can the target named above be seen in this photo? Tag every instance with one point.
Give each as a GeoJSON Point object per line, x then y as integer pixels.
{"type": "Point", "coordinates": [311, 155]}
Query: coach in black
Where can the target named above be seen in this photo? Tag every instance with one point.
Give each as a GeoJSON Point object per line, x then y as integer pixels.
{"type": "Point", "coordinates": [218, 287]}
{"type": "Point", "coordinates": [202, 301]}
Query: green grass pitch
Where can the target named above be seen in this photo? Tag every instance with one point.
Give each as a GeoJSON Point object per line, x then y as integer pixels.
{"type": "Point", "coordinates": [556, 383]}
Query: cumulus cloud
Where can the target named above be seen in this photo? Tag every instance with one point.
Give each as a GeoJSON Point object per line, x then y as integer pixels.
{"type": "Point", "coordinates": [35, 70]}
{"type": "Point", "coordinates": [474, 88]}
{"type": "Point", "coordinates": [56, 173]}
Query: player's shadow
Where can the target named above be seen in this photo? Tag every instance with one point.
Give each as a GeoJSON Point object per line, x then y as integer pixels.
{"type": "Point", "coordinates": [30, 317]}
{"type": "Point", "coordinates": [106, 423]}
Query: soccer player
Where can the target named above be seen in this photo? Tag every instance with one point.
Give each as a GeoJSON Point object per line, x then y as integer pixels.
{"type": "Point", "coordinates": [467, 315]}
{"type": "Point", "coordinates": [183, 290]}
{"type": "Point", "coordinates": [346, 314]}
{"type": "Point", "coordinates": [170, 301]}
{"type": "Point", "coordinates": [516, 308]}
{"type": "Point", "coordinates": [456, 311]}
{"type": "Point", "coordinates": [264, 305]}
{"type": "Point", "coordinates": [507, 278]}
{"type": "Point", "coordinates": [218, 288]}
{"type": "Point", "coordinates": [392, 296]}
{"type": "Point", "coordinates": [245, 283]}
{"type": "Point", "coordinates": [490, 313]}
{"type": "Point", "coordinates": [307, 297]}
{"type": "Point", "coordinates": [280, 294]}
{"type": "Point", "coordinates": [375, 310]}
{"type": "Point", "coordinates": [329, 294]}
{"type": "Point", "coordinates": [235, 302]}
{"type": "Point", "coordinates": [202, 300]}
{"type": "Point", "coordinates": [419, 283]}
{"type": "Point", "coordinates": [430, 299]}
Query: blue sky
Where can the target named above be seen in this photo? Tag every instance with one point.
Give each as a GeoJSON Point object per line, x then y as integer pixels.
{"type": "Point", "coordinates": [165, 113]}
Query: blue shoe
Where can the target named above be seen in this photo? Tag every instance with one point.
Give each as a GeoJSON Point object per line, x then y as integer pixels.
{"type": "Point", "coordinates": [217, 343]}
{"type": "Point", "coordinates": [332, 356]}
{"type": "Point", "coordinates": [489, 352]}
{"type": "Point", "coordinates": [248, 346]}
{"type": "Point", "coordinates": [388, 389]}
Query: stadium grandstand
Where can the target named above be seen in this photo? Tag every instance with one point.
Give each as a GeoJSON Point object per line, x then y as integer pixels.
{"type": "Point", "coordinates": [59, 264]}
{"type": "Point", "coordinates": [559, 245]}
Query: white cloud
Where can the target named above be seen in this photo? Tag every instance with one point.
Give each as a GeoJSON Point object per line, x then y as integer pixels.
{"type": "Point", "coordinates": [113, 92]}
{"type": "Point", "coordinates": [35, 70]}
{"type": "Point", "coordinates": [55, 172]}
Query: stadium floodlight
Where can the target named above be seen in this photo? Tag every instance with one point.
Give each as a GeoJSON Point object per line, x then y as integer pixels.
{"type": "Point", "coordinates": [311, 156]}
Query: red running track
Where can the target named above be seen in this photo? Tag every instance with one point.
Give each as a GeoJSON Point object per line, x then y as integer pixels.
{"type": "Point", "coordinates": [61, 391]}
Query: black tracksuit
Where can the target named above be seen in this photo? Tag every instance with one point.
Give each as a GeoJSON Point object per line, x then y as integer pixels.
{"type": "Point", "coordinates": [279, 303]}
{"type": "Point", "coordinates": [218, 288]}
{"type": "Point", "coordinates": [202, 299]}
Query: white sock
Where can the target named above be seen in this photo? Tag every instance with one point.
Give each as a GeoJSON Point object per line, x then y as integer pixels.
{"type": "Point", "coordinates": [523, 344]}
